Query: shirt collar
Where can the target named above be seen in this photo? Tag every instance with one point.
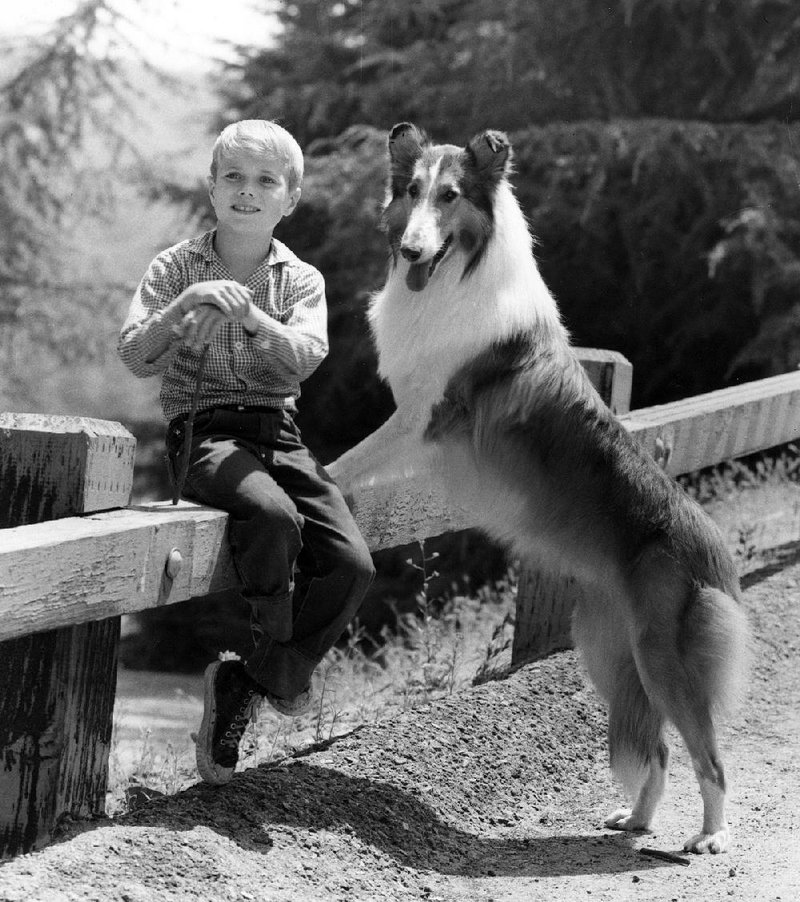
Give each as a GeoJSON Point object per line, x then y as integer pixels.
{"type": "Point", "coordinates": [278, 251]}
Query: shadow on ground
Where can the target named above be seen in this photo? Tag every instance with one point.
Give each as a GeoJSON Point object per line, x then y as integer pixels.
{"type": "Point", "coordinates": [310, 797]}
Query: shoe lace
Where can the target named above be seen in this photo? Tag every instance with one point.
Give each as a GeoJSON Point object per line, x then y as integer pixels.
{"type": "Point", "coordinates": [238, 724]}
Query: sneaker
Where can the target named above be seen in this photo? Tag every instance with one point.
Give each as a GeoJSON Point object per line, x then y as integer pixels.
{"type": "Point", "coordinates": [230, 700]}
{"type": "Point", "coordinates": [295, 707]}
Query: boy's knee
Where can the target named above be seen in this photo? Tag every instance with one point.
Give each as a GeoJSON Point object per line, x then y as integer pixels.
{"type": "Point", "coordinates": [279, 519]}
{"type": "Point", "coordinates": [275, 529]}
{"type": "Point", "coordinates": [358, 561]}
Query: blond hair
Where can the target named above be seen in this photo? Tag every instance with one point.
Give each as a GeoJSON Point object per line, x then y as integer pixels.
{"type": "Point", "coordinates": [261, 136]}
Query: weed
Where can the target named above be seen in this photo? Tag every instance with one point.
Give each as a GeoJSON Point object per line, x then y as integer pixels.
{"type": "Point", "coordinates": [746, 549]}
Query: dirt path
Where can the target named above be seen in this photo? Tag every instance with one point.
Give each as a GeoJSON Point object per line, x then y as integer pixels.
{"type": "Point", "coordinates": [494, 794]}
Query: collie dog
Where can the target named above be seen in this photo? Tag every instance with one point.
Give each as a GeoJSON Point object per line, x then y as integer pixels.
{"type": "Point", "coordinates": [491, 397]}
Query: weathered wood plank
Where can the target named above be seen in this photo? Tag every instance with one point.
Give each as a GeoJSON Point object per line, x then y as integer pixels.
{"type": "Point", "coordinates": [55, 466]}
{"type": "Point", "coordinates": [87, 568]}
{"type": "Point", "coordinates": [58, 685]}
{"type": "Point", "coordinates": [707, 429]}
{"type": "Point", "coordinates": [56, 714]}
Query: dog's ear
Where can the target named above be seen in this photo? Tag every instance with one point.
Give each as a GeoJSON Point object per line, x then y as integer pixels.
{"type": "Point", "coordinates": [405, 136]}
{"type": "Point", "coordinates": [490, 153]}
{"type": "Point", "coordinates": [405, 147]}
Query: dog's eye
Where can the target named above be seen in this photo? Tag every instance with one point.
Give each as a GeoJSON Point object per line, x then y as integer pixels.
{"type": "Point", "coordinates": [413, 190]}
{"type": "Point", "coordinates": [450, 195]}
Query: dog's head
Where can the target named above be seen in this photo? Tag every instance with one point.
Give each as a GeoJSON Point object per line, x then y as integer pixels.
{"type": "Point", "coordinates": [441, 198]}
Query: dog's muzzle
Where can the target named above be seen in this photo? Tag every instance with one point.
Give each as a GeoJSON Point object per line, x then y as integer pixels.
{"type": "Point", "coordinates": [419, 273]}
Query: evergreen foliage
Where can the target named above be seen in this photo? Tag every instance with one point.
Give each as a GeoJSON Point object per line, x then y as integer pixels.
{"type": "Point", "coordinates": [461, 65]}
{"type": "Point", "coordinates": [676, 243]}
{"type": "Point", "coordinates": [64, 153]}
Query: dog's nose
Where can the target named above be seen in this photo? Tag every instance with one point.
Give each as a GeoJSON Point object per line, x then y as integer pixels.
{"type": "Point", "coordinates": [412, 254]}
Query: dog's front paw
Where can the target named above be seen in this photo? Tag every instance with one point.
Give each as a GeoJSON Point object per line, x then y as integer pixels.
{"type": "Point", "coordinates": [715, 842]}
{"type": "Point", "coordinates": [624, 819]}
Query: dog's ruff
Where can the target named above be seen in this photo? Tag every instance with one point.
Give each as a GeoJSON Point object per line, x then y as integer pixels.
{"type": "Point", "coordinates": [490, 395]}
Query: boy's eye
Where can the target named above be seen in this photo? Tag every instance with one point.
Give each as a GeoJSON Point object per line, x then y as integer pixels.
{"type": "Point", "coordinates": [233, 176]}
{"type": "Point", "coordinates": [267, 180]}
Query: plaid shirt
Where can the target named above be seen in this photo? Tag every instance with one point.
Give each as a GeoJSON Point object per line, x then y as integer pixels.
{"type": "Point", "coordinates": [264, 369]}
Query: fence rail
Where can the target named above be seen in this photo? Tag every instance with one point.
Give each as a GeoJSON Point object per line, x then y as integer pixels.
{"type": "Point", "coordinates": [74, 557]}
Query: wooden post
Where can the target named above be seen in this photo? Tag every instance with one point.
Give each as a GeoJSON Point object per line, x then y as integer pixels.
{"type": "Point", "coordinates": [612, 376]}
{"type": "Point", "coordinates": [58, 686]}
{"type": "Point", "coordinates": [544, 602]}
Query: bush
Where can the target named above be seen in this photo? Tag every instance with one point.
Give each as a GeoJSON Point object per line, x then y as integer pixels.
{"type": "Point", "coordinates": [676, 243]}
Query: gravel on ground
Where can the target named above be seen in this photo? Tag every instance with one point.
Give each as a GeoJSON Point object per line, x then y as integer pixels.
{"type": "Point", "coordinates": [495, 793]}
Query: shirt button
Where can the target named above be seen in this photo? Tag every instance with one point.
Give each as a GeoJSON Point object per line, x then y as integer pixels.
{"type": "Point", "coordinates": [238, 345]}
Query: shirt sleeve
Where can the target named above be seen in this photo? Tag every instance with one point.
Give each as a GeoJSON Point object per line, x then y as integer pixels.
{"type": "Point", "coordinates": [147, 341]}
{"type": "Point", "coordinates": [301, 343]}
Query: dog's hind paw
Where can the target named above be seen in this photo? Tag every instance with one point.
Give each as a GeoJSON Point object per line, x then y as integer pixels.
{"type": "Point", "coordinates": [625, 819]}
{"type": "Point", "coordinates": [709, 842]}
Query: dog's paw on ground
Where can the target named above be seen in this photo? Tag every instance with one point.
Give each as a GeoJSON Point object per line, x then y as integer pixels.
{"type": "Point", "coordinates": [709, 842]}
{"type": "Point", "coordinates": [624, 819]}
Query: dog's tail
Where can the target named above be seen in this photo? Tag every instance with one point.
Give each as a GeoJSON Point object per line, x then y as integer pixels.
{"type": "Point", "coordinates": [715, 648]}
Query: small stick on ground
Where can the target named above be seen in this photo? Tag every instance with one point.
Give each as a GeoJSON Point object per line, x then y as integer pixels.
{"type": "Point", "coordinates": [665, 856]}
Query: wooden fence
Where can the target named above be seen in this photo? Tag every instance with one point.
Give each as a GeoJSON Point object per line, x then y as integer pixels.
{"type": "Point", "coordinates": [75, 555]}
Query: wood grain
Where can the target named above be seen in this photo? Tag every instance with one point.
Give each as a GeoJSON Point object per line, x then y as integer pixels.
{"type": "Point", "coordinates": [58, 685]}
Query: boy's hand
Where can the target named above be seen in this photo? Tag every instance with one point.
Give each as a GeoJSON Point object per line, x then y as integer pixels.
{"type": "Point", "coordinates": [201, 324]}
{"type": "Point", "coordinates": [232, 298]}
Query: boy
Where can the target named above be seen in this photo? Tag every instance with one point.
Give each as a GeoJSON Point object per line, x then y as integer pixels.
{"type": "Point", "coordinates": [261, 314]}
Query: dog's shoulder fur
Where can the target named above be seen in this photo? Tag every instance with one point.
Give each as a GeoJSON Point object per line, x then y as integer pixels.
{"type": "Point", "coordinates": [525, 404]}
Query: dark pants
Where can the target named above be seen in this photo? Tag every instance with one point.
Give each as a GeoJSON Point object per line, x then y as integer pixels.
{"type": "Point", "coordinates": [299, 554]}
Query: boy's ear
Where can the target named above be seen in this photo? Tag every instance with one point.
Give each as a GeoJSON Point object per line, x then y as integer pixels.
{"type": "Point", "coordinates": [210, 184]}
{"type": "Point", "coordinates": [292, 201]}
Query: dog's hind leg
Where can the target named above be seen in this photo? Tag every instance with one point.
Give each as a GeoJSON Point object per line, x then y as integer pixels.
{"type": "Point", "coordinates": [702, 745]}
{"type": "Point", "coordinates": [692, 674]}
{"type": "Point", "coordinates": [692, 718]}
{"type": "Point", "coordinates": [638, 753]}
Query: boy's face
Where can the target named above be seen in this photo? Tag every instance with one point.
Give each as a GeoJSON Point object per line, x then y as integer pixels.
{"type": "Point", "coordinates": [250, 192]}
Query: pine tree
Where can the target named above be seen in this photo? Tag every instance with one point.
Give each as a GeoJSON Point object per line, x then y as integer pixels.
{"type": "Point", "coordinates": [63, 108]}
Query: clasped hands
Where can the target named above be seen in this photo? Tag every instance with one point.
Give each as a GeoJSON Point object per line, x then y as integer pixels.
{"type": "Point", "coordinates": [206, 306]}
